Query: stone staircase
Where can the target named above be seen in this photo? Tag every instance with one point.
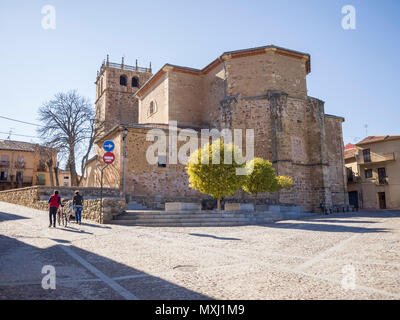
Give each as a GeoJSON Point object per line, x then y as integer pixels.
{"type": "Point", "coordinates": [152, 218]}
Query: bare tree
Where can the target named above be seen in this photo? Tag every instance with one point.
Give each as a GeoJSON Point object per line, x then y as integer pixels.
{"type": "Point", "coordinates": [69, 124]}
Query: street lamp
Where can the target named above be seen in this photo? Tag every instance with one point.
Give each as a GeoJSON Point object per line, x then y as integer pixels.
{"type": "Point", "coordinates": [123, 178]}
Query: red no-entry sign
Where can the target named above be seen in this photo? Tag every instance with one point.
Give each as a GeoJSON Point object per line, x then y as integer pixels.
{"type": "Point", "coordinates": [108, 157]}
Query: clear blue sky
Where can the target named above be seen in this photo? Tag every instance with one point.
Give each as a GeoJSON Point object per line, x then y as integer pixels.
{"type": "Point", "coordinates": [356, 72]}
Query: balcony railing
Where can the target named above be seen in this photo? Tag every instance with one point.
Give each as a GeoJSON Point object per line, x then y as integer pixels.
{"type": "Point", "coordinates": [4, 163]}
{"type": "Point", "coordinates": [383, 181]}
{"type": "Point", "coordinates": [376, 158]}
{"type": "Point", "coordinates": [25, 180]}
{"type": "Point", "coordinates": [19, 165]}
{"type": "Point", "coordinates": [107, 64]}
{"type": "Point", "coordinates": [353, 178]}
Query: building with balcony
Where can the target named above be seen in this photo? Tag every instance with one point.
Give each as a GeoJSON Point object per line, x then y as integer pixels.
{"type": "Point", "coordinates": [23, 164]}
{"type": "Point", "coordinates": [373, 172]}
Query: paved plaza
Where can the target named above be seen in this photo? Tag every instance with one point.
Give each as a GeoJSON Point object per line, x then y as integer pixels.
{"type": "Point", "coordinates": [341, 256]}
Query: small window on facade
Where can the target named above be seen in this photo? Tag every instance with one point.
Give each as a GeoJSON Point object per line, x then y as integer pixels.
{"type": "Point", "coordinates": [367, 155]}
{"type": "Point", "coordinates": [4, 160]}
{"type": "Point", "coordinates": [135, 82]}
{"type": "Point", "coordinates": [368, 173]}
{"type": "Point", "coordinates": [152, 108]}
{"type": "Point", "coordinates": [162, 161]}
{"type": "Point", "coordinates": [122, 80]}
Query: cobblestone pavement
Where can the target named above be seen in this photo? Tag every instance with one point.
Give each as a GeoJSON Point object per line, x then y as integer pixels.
{"type": "Point", "coordinates": [347, 256]}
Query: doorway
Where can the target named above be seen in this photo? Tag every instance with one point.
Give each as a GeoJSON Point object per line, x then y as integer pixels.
{"type": "Point", "coordinates": [353, 199]}
{"type": "Point", "coordinates": [382, 200]}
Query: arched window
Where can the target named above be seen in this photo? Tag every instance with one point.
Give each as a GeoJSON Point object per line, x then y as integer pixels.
{"type": "Point", "coordinates": [122, 80]}
{"type": "Point", "coordinates": [135, 82]}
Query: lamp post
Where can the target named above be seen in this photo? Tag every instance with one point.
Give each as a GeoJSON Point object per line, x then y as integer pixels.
{"type": "Point", "coordinates": [123, 178]}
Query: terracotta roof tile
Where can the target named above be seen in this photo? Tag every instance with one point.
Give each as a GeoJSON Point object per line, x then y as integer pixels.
{"type": "Point", "coordinates": [373, 139]}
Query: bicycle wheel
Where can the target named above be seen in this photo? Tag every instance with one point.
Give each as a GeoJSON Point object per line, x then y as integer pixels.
{"type": "Point", "coordinates": [58, 217]}
{"type": "Point", "coordinates": [65, 219]}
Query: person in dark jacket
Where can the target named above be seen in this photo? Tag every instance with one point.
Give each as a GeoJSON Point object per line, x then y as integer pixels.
{"type": "Point", "coordinates": [54, 203]}
{"type": "Point", "coordinates": [77, 202]}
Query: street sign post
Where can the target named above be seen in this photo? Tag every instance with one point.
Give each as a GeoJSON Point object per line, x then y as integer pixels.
{"type": "Point", "coordinates": [108, 145]}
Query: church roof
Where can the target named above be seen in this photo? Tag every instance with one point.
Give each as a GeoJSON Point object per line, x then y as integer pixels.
{"type": "Point", "coordinates": [224, 56]}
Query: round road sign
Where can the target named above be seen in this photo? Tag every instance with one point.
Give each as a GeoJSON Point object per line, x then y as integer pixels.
{"type": "Point", "coordinates": [108, 145]}
{"type": "Point", "coordinates": [108, 157]}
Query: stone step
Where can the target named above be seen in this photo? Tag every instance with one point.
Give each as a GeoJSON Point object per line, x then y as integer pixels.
{"type": "Point", "coordinates": [188, 220]}
{"type": "Point", "coordinates": [179, 216]}
{"type": "Point", "coordinates": [180, 224]}
{"type": "Point", "coordinates": [162, 212]}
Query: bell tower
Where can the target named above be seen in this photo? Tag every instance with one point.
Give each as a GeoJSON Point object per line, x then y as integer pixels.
{"type": "Point", "coordinates": [115, 85]}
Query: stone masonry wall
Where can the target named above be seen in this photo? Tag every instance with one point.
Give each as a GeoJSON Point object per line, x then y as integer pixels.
{"type": "Point", "coordinates": [36, 198]}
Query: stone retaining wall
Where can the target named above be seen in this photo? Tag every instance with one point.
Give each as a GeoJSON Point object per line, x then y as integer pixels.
{"type": "Point", "coordinates": [32, 197]}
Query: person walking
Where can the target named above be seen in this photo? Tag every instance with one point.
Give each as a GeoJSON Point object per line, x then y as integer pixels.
{"type": "Point", "coordinates": [77, 202]}
{"type": "Point", "coordinates": [54, 203]}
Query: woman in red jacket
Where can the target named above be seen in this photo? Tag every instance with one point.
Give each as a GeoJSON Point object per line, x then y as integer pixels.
{"type": "Point", "coordinates": [54, 203]}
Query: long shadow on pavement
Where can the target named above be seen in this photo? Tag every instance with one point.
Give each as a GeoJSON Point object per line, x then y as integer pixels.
{"type": "Point", "coordinates": [80, 274]}
{"type": "Point", "coordinates": [324, 227]}
{"type": "Point", "coordinates": [212, 236]}
{"type": "Point", "coordinates": [4, 216]}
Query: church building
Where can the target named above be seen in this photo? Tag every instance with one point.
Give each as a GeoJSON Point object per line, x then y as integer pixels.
{"type": "Point", "coordinates": [264, 89]}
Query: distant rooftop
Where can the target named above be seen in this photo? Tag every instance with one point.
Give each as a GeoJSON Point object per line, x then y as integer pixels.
{"type": "Point", "coordinates": [17, 145]}
{"type": "Point", "coordinates": [374, 139]}
{"type": "Point", "coordinates": [349, 146]}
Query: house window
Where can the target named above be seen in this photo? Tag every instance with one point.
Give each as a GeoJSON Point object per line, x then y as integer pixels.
{"type": "Point", "coordinates": [20, 164]}
{"type": "Point", "coordinates": [152, 108]}
{"type": "Point", "coordinates": [135, 82]}
{"type": "Point", "coordinates": [382, 175]}
{"type": "Point", "coordinates": [162, 161]}
{"type": "Point", "coordinates": [368, 173]}
{"type": "Point", "coordinates": [3, 176]}
{"type": "Point", "coordinates": [41, 180]}
{"type": "Point", "coordinates": [122, 80]}
{"type": "Point", "coordinates": [367, 155]}
{"type": "Point", "coordinates": [4, 160]}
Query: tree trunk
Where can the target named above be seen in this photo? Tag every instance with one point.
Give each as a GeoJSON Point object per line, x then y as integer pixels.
{"type": "Point", "coordinates": [219, 204]}
{"type": "Point", "coordinates": [51, 175]}
{"type": "Point", "coordinates": [56, 173]}
{"type": "Point", "coordinates": [255, 202]}
{"type": "Point", "coordinates": [72, 167]}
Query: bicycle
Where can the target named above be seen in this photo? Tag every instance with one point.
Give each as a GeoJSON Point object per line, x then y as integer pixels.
{"type": "Point", "coordinates": [62, 216]}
